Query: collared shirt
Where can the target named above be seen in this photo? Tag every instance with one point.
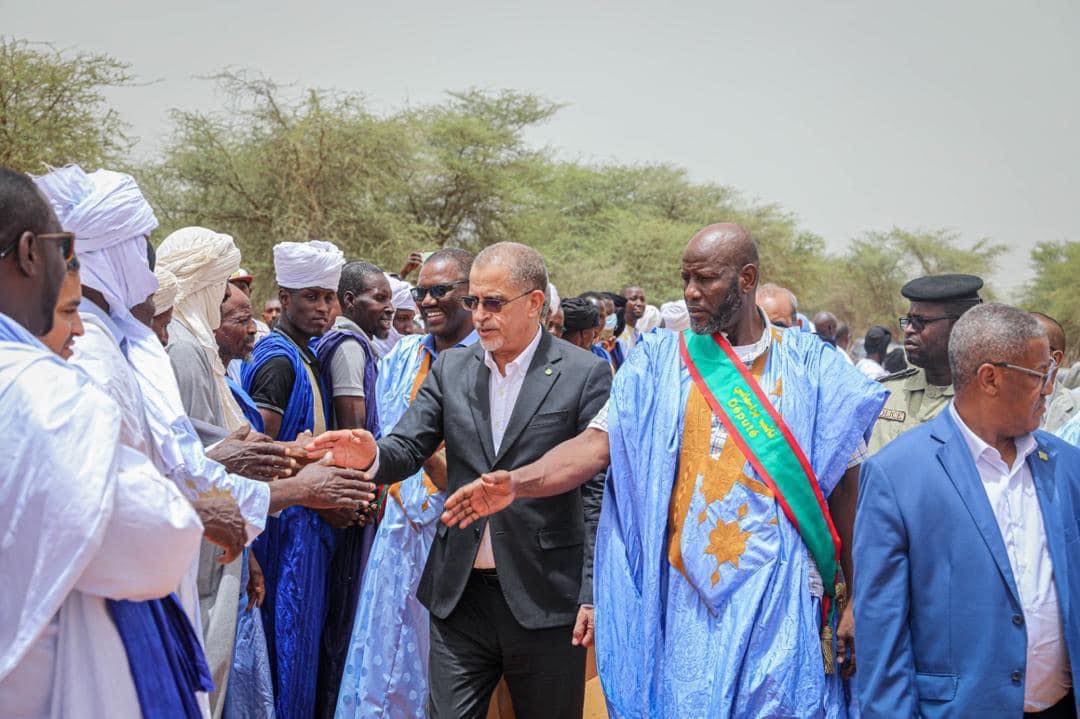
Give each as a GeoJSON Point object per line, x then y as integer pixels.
{"type": "Point", "coordinates": [503, 392]}
{"type": "Point", "coordinates": [428, 343]}
{"type": "Point", "coordinates": [1011, 491]}
{"type": "Point", "coordinates": [912, 402]}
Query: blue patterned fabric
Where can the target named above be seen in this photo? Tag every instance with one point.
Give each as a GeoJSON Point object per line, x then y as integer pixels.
{"type": "Point", "coordinates": [247, 405]}
{"type": "Point", "coordinates": [250, 694]}
{"type": "Point", "coordinates": [294, 552]}
{"type": "Point", "coordinates": [353, 545]}
{"type": "Point", "coordinates": [164, 655]}
{"type": "Point", "coordinates": [386, 671]}
{"type": "Point", "coordinates": [1070, 431]}
{"type": "Point", "coordinates": [744, 635]}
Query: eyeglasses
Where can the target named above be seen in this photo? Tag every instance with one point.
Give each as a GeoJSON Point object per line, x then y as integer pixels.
{"type": "Point", "coordinates": [918, 322]}
{"type": "Point", "coordinates": [490, 304]}
{"type": "Point", "coordinates": [67, 243]}
{"type": "Point", "coordinates": [1046, 377]}
{"type": "Point", "coordinates": [437, 292]}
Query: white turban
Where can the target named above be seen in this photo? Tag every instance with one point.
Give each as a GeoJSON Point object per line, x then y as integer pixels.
{"type": "Point", "coordinates": [675, 316]}
{"type": "Point", "coordinates": [308, 264]}
{"type": "Point", "coordinates": [111, 221]}
{"type": "Point", "coordinates": [649, 320]}
{"type": "Point", "coordinates": [168, 289]}
{"type": "Point", "coordinates": [401, 292]}
{"type": "Point", "coordinates": [553, 299]}
{"type": "Point", "coordinates": [203, 261]}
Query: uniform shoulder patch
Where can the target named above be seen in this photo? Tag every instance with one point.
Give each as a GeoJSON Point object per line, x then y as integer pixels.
{"type": "Point", "coordinates": [902, 374]}
{"type": "Point", "coordinates": [894, 415]}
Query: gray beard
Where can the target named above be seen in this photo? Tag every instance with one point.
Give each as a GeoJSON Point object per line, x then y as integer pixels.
{"type": "Point", "coordinates": [733, 304]}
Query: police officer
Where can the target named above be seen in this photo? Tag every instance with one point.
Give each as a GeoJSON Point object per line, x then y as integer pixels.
{"type": "Point", "coordinates": [918, 393]}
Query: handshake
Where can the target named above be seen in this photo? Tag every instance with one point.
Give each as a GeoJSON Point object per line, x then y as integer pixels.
{"type": "Point", "coordinates": [321, 473]}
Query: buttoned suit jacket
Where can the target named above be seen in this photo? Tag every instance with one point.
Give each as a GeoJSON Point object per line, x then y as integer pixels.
{"type": "Point", "coordinates": [543, 548]}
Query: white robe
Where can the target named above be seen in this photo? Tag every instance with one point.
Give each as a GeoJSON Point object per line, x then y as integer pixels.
{"type": "Point", "coordinates": [85, 517]}
{"type": "Point", "coordinates": [99, 353]}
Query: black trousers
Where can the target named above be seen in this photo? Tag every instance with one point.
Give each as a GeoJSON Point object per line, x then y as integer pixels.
{"type": "Point", "coordinates": [481, 641]}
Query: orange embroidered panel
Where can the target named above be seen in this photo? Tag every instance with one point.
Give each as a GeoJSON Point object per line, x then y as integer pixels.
{"type": "Point", "coordinates": [727, 540]}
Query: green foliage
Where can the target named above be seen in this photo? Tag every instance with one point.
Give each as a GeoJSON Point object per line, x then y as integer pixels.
{"type": "Point", "coordinates": [53, 109]}
{"type": "Point", "coordinates": [863, 284]}
{"type": "Point", "coordinates": [1054, 289]}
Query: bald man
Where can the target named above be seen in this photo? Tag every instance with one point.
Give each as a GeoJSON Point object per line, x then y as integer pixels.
{"type": "Point", "coordinates": [778, 304]}
{"type": "Point", "coordinates": [720, 543]}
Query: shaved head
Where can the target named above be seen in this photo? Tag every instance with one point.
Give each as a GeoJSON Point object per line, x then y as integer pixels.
{"type": "Point", "coordinates": [727, 243]}
{"type": "Point", "coordinates": [720, 277]}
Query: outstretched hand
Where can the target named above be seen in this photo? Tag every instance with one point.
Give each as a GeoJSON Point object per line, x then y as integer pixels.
{"type": "Point", "coordinates": [351, 448]}
{"type": "Point", "coordinates": [492, 493]}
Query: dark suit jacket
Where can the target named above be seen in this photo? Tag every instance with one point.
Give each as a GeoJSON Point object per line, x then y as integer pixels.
{"type": "Point", "coordinates": [543, 547]}
{"type": "Point", "coordinates": [940, 630]}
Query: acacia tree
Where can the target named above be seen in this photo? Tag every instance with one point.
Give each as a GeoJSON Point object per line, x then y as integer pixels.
{"type": "Point", "coordinates": [1053, 291]}
{"type": "Point", "coordinates": [53, 109]}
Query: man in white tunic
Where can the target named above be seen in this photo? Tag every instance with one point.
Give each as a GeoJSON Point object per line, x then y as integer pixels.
{"type": "Point", "coordinates": [86, 518]}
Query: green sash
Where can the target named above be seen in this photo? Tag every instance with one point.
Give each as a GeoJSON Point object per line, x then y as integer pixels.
{"type": "Point", "coordinates": [757, 428]}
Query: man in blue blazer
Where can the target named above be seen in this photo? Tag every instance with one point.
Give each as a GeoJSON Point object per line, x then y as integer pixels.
{"type": "Point", "coordinates": [967, 543]}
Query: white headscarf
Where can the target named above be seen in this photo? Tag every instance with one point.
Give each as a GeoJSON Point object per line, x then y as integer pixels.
{"type": "Point", "coordinates": [553, 299]}
{"type": "Point", "coordinates": [203, 261]}
{"type": "Point", "coordinates": [167, 291]}
{"type": "Point", "coordinates": [401, 292]}
{"type": "Point", "coordinates": [308, 264]}
{"type": "Point", "coordinates": [675, 316]}
{"type": "Point", "coordinates": [650, 319]}
{"type": "Point", "coordinates": [111, 221]}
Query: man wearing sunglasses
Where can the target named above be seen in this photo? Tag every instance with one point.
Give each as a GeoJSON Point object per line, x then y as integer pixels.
{"type": "Point", "coordinates": [504, 595]}
{"type": "Point", "coordinates": [390, 620]}
{"type": "Point", "coordinates": [920, 392]}
{"type": "Point", "coordinates": [967, 545]}
{"type": "Point", "coordinates": [88, 520]}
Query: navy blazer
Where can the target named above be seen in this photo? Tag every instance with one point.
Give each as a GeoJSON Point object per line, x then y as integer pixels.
{"type": "Point", "coordinates": [939, 628]}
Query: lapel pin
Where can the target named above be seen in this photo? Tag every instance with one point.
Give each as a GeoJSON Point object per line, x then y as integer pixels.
{"type": "Point", "coordinates": [548, 371]}
{"type": "Point", "coordinates": [1044, 456]}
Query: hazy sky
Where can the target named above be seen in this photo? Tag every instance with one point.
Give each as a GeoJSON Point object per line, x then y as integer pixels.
{"type": "Point", "coordinates": [854, 115]}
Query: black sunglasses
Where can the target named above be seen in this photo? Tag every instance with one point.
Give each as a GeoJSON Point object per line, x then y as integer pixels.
{"type": "Point", "coordinates": [490, 304]}
{"type": "Point", "coordinates": [437, 292]}
{"type": "Point", "coordinates": [917, 322]}
{"type": "Point", "coordinates": [67, 243]}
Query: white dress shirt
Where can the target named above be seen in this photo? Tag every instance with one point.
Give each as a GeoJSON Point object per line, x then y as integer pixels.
{"type": "Point", "coordinates": [1011, 491]}
{"type": "Point", "coordinates": [503, 391]}
{"type": "Point", "coordinates": [870, 368]}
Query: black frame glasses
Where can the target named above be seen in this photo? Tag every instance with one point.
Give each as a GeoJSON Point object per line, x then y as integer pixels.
{"type": "Point", "coordinates": [1046, 377]}
{"type": "Point", "coordinates": [918, 322]}
{"type": "Point", "coordinates": [67, 243]}
{"type": "Point", "coordinates": [490, 304]}
{"type": "Point", "coordinates": [437, 292]}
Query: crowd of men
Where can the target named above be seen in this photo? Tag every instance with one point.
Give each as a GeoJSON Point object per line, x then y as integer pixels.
{"type": "Point", "coordinates": [386, 499]}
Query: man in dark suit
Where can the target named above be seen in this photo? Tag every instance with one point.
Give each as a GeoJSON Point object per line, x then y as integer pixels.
{"type": "Point", "coordinates": [512, 595]}
{"type": "Point", "coordinates": [967, 544]}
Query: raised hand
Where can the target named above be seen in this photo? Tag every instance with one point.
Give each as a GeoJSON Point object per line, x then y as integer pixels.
{"type": "Point", "coordinates": [245, 453]}
{"type": "Point", "coordinates": [330, 487]}
{"type": "Point", "coordinates": [223, 525]}
{"type": "Point", "coordinates": [414, 261]}
{"type": "Point", "coordinates": [492, 493]}
{"type": "Point", "coordinates": [352, 448]}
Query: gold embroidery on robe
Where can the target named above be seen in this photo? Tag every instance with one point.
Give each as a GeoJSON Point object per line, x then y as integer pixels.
{"type": "Point", "coordinates": [727, 540]}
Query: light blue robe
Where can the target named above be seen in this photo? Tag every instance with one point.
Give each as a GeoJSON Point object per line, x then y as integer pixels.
{"type": "Point", "coordinates": [386, 671]}
{"type": "Point", "coordinates": [747, 645]}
